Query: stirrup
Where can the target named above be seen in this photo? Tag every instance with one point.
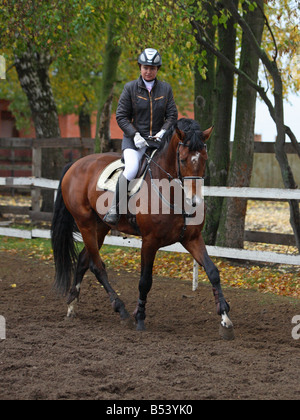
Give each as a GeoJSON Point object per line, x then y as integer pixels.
{"type": "Point", "coordinates": [112, 217]}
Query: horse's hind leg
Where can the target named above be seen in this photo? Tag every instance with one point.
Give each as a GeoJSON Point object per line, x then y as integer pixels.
{"type": "Point", "coordinates": [82, 266]}
{"type": "Point", "coordinates": [93, 233]}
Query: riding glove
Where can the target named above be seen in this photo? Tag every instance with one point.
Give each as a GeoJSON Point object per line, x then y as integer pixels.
{"type": "Point", "coordinates": [160, 134]}
{"type": "Point", "coordinates": [139, 141]}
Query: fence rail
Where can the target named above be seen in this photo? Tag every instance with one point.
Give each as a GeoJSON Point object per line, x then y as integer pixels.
{"type": "Point", "coordinates": [23, 156]}
{"type": "Point", "coordinates": [248, 193]}
{"type": "Point", "coordinates": [19, 156]}
{"type": "Point", "coordinates": [29, 143]}
{"type": "Point", "coordinates": [253, 193]}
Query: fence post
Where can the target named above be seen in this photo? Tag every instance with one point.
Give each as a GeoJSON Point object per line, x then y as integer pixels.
{"type": "Point", "coordinates": [195, 275]}
{"type": "Point", "coordinates": [37, 173]}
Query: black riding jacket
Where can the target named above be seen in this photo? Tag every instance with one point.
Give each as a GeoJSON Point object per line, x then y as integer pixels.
{"type": "Point", "coordinates": [146, 112]}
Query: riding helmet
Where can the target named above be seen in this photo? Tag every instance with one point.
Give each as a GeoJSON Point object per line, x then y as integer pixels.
{"type": "Point", "coordinates": [150, 57]}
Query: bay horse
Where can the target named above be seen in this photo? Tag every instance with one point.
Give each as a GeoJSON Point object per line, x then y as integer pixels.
{"type": "Point", "coordinates": [181, 156]}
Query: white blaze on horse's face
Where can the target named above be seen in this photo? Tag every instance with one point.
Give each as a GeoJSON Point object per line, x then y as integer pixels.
{"type": "Point", "coordinates": [195, 160]}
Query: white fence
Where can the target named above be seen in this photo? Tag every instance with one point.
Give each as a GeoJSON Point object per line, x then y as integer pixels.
{"type": "Point", "coordinates": [249, 193]}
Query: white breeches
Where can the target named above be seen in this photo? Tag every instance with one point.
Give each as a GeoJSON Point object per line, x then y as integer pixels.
{"type": "Point", "coordinates": [132, 161]}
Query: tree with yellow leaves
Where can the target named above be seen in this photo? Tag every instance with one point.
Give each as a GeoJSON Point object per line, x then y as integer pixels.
{"type": "Point", "coordinates": [276, 110]}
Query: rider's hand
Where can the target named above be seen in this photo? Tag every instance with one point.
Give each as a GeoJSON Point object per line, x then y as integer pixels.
{"type": "Point", "coordinates": [139, 141]}
{"type": "Point", "coordinates": [160, 135]}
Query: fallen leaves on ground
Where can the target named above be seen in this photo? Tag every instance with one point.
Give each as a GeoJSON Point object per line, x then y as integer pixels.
{"type": "Point", "coordinates": [268, 216]}
{"type": "Point", "coordinates": [284, 281]}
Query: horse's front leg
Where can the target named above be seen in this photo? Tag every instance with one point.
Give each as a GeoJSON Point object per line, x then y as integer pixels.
{"type": "Point", "coordinates": [198, 250]}
{"type": "Point", "coordinates": [223, 308]}
{"type": "Point", "coordinates": [148, 256]}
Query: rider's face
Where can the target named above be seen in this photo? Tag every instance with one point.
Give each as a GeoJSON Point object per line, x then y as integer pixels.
{"type": "Point", "coordinates": [149, 72]}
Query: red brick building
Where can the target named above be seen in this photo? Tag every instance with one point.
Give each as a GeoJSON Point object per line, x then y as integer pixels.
{"type": "Point", "coordinates": [69, 127]}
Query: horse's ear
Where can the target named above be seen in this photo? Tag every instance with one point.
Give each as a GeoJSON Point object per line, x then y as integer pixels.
{"type": "Point", "coordinates": [179, 134]}
{"type": "Point", "coordinates": [207, 133]}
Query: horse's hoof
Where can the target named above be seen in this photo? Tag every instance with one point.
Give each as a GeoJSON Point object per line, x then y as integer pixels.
{"type": "Point", "coordinates": [141, 325]}
{"type": "Point", "coordinates": [71, 314]}
{"type": "Point", "coordinates": [227, 333]}
{"type": "Point", "coordinates": [124, 315]}
{"type": "Point", "coordinates": [128, 323]}
{"type": "Point", "coordinates": [119, 307]}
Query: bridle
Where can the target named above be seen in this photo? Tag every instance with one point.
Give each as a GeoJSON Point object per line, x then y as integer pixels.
{"type": "Point", "coordinates": [179, 175]}
{"type": "Point", "coordinates": [179, 178]}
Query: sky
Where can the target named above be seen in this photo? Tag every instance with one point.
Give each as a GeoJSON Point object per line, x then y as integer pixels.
{"type": "Point", "coordinates": [264, 124]}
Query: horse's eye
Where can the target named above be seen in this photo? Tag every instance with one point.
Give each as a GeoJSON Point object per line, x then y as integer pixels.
{"type": "Point", "coordinates": [183, 161]}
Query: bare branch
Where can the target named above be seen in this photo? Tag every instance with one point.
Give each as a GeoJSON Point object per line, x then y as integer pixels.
{"type": "Point", "coordinates": [273, 70]}
{"type": "Point", "coordinates": [271, 32]}
{"type": "Point", "coordinates": [293, 139]}
{"type": "Point", "coordinates": [247, 30]}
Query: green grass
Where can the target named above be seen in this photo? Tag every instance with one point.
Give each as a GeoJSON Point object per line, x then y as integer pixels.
{"type": "Point", "coordinates": [41, 247]}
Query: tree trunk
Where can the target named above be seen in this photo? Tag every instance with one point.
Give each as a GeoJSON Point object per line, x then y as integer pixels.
{"type": "Point", "coordinates": [219, 144]}
{"type": "Point", "coordinates": [109, 77]}
{"type": "Point", "coordinates": [203, 105]}
{"type": "Point", "coordinates": [277, 113]}
{"type": "Point", "coordinates": [104, 130]}
{"type": "Point", "coordinates": [32, 69]}
{"type": "Point", "coordinates": [232, 223]}
{"type": "Point", "coordinates": [85, 126]}
{"type": "Point", "coordinates": [281, 156]}
{"type": "Point", "coordinates": [85, 123]}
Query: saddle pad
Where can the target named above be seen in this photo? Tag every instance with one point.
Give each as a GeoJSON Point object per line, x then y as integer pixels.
{"type": "Point", "coordinates": [110, 175]}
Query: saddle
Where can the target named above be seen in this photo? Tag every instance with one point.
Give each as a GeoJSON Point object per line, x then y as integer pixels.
{"type": "Point", "coordinates": [109, 176]}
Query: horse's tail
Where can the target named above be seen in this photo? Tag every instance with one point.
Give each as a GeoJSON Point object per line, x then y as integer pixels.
{"type": "Point", "coordinates": [63, 244]}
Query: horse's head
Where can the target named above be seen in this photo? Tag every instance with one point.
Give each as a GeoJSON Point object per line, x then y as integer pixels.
{"type": "Point", "coordinates": [191, 156]}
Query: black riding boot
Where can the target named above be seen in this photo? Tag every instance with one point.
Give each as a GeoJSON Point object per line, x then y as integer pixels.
{"type": "Point", "coordinates": [112, 217]}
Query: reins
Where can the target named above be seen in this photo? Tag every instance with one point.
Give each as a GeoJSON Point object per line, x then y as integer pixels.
{"type": "Point", "coordinates": [179, 179]}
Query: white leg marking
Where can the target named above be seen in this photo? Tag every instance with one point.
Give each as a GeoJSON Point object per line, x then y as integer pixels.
{"type": "Point", "coordinates": [226, 321]}
{"type": "Point", "coordinates": [71, 307]}
{"type": "Point", "coordinates": [71, 310]}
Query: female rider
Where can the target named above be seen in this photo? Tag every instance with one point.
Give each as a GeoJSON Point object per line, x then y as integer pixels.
{"type": "Point", "coordinates": [146, 108]}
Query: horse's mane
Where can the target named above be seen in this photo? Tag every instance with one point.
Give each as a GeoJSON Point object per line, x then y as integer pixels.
{"type": "Point", "coordinates": [193, 135]}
